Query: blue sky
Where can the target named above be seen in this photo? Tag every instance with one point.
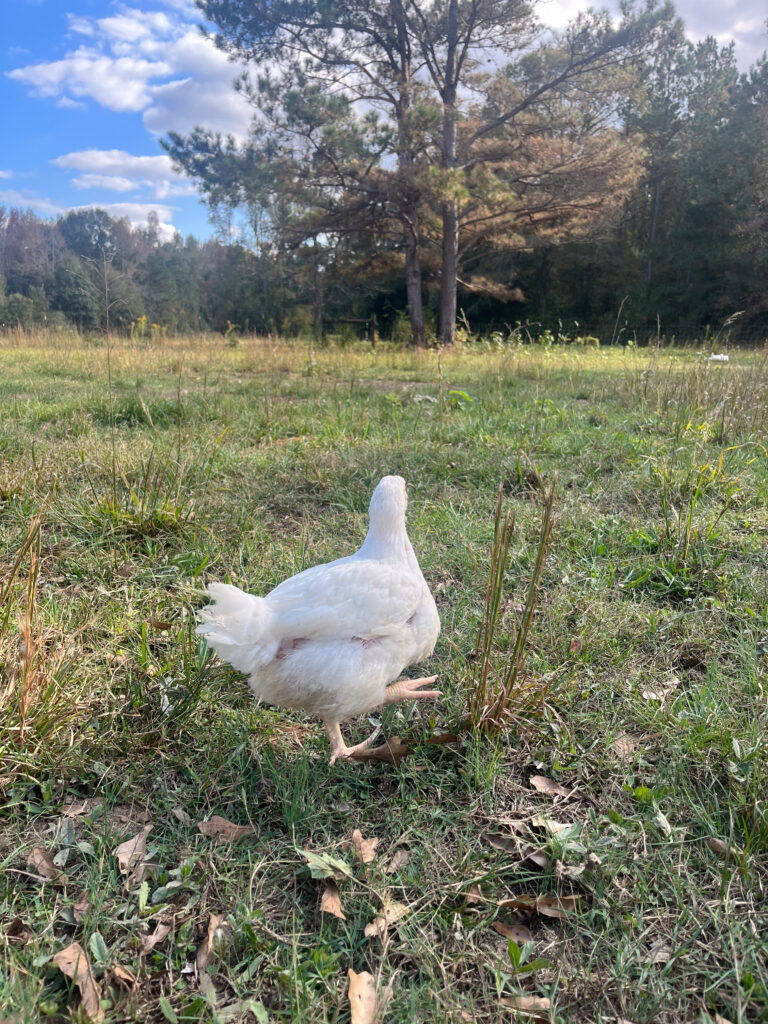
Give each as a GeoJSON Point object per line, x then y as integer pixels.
{"type": "Point", "coordinates": [87, 87]}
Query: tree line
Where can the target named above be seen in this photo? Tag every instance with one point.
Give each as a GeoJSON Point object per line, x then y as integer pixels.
{"type": "Point", "coordinates": [441, 163]}
{"type": "Point", "coordinates": [490, 166]}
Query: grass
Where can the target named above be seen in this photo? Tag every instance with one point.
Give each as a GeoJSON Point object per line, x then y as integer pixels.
{"type": "Point", "coordinates": [250, 463]}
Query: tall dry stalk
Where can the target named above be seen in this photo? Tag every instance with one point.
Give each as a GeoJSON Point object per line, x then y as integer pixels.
{"type": "Point", "coordinates": [29, 674]}
{"type": "Point", "coordinates": [495, 683]}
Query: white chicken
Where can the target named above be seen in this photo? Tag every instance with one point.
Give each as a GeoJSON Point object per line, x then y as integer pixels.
{"type": "Point", "coordinates": [332, 639]}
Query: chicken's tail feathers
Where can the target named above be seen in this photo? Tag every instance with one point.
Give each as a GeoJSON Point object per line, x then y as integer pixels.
{"type": "Point", "coordinates": [238, 627]}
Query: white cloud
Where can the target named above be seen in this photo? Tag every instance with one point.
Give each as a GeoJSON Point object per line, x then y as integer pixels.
{"type": "Point", "coordinates": [26, 202]}
{"type": "Point", "coordinates": [119, 83]}
{"type": "Point", "coordinates": [6, 174]}
{"type": "Point", "coordinates": [69, 104]}
{"type": "Point", "coordinates": [136, 213]}
{"type": "Point", "coordinates": [110, 182]}
{"type": "Point", "coordinates": [118, 171]}
{"type": "Point", "coordinates": [156, 62]}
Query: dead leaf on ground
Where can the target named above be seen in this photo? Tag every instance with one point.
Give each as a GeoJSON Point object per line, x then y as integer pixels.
{"type": "Point", "coordinates": [391, 913]}
{"type": "Point", "coordinates": [536, 1008]}
{"type": "Point", "coordinates": [323, 866]}
{"type": "Point", "coordinates": [547, 906]}
{"type": "Point", "coordinates": [625, 745]}
{"type": "Point", "coordinates": [549, 787]}
{"type": "Point", "coordinates": [41, 863]}
{"type": "Point", "coordinates": [538, 858]}
{"type": "Point", "coordinates": [398, 860]}
{"type": "Point", "coordinates": [442, 739]}
{"type": "Point", "coordinates": [659, 953]}
{"type": "Point", "coordinates": [148, 942]}
{"type": "Point", "coordinates": [161, 624]}
{"type": "Point", "coordinates": [363, 1003]}
{"type": "Point", "coordinates": [662, 690]}
{"type": "Point", "coordinates": [73, 962]}
{"type": "Point", "coordinates": [391, 752]}
{"type": "Point", "coordinates": [576, 646]}
{"type": "Point", "coordinates": [76, 808]}
{"type": "Point", "coordinates": [131, 857]}
{"type": "Point", "coordinates": [216, 938]}
{"type": "Point", "coordinates": [182, 816]}
{"type": "Point", "coordinates": [474, 895]}
{"type": "Point", "coordinates": [364, 848]}
{"type": "Point", "coordinates": [721, 849]}
{"type": "Point", "coordinates": [551, 826]}
{"type": "Point", "coordinates": [80, 909]}
{"type": "Point", "coordinates": [224, 831]}
{"type": "Point", "coordinates": [123, 975]}
{"type": "Point", "coordinates": [509, 844]}
{"type": "Point", "coordinates": [517, 932]}
{"type": "Point", "coordinates": [330, 902]}
{"type": "Point", "coordinates": [18, 932]}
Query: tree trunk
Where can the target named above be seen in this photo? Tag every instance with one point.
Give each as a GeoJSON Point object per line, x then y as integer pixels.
{"type": "Point", "coordinates": [413, 282]}
{"type": "Point", "coordinates": [654, 226]}
{"type": "Point", "coordinates": [449, 268]}
{"type": "Point", "coordinates": [408, 193]}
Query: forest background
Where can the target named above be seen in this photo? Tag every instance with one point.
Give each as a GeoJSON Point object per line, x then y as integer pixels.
{"type": "Point", "coordinates": [429, 169]}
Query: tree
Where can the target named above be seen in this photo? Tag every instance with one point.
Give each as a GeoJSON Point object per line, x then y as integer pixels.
{"type": "Point", "coordinates": [418, 66]}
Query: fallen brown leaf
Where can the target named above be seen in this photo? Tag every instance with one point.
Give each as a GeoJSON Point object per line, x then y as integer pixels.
{"type": "Point", "coordinates": [444, 738]}
{"type": "Point", "coordinates": [391, 751]}
{"type": "Point", "coordinates": [218, 933]}
{"type": "Point", "coordinates": [500, 842]}
{"type": "Point", "coordinates": [224, 831]}
{"type": "Point", "coordinates": [548, 906]}
{"type": "Point", "coordinates": [364, 848]}
{"type": "Point", "coordinates": [123, 975]}
{"type": "Point", "coordinates": [625, 745]}
{"type": "Point", "coordinates": [537, 1008]}
{"type": "Point", "coordinates": [662, 690]}
{"type": "Point", "coordinates": [474, 895]}
{"type": "Point", "coordinates": [41, 862]}
{"type": "Point", "coordinates": [132, 851]}
{"type": "Point", "coordinates": [576, 646]}
{"type": "Point", "coordinates": [398, 860]}
{"type": "Point", "coordinates": [549, 787]}
{"type": "Point", "coordinates": [182, 816]}
{"type": "Point", "coordinates": [391, 913]}
{"type": "Point", "coordinates": [363, 1003]}
{"type": "Point", "coordinates": [330, 901]}
{"type": "Point", "coordinates": [131, 857]}
{"type": "Point", "coordinates": [73, 962]}
{"type": "Point", "coordinates": [80, 909]}
{"type": "Point", "coordinates": [161, 624]}
{"type": "Point", "coordinates": [517, 932]}
{"type": "Point", "coordinates": [551, 826]}
{"type": "Point", "coordinates": [76, 808]}
{"type": "Point", "coordinates": [148, 942]}
{"type": "Point", "coordinates": [538, 858]}
{"type": "Point", "coordinates": [18, 932]}
{"type": "Point", "coordinates": [721, 849]}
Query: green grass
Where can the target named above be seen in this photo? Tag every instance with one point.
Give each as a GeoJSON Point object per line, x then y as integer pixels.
{"type": "Point", "coordinates": [251, 463]}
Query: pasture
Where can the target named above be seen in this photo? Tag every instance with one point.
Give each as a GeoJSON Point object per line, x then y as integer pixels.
{"type": "Point", "coordinates": [630, 885]}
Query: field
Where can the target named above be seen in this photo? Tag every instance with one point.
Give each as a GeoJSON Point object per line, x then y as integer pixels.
{"type": "Point", "coordinates": [132, 475]}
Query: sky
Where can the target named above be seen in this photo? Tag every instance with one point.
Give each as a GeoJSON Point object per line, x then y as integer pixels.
{"type": "Point", "coordinates": [88, 88]}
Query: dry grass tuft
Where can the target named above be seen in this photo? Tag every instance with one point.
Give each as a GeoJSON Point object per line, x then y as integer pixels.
{"type": "Point", "coordinates": [495, 684]}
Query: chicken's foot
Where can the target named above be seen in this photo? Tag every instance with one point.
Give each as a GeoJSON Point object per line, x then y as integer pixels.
{"type": "Point", "coordinates": [339, 747]}
{"type": "Point", "coordinates": [408, 689]}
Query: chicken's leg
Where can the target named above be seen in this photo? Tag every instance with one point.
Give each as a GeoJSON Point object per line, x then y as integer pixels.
{"type": "Point", "coordinates": [339, 747]}
{"type": "Point", "coordinates": [408, 689]}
